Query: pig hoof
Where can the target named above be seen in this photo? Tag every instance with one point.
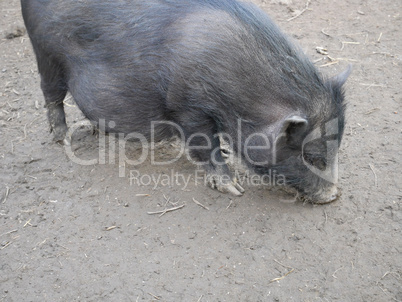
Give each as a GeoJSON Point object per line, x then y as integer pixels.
{"type": "Point", "coordinates": [67, 141]}
{"type": "Point", "coordinates": [323, 198]}
{"type": "Point", "coordinates": [232, 187]}
{"type": "Point", "coordinates": [59, 133]}
{"type": "Point", "coordinates": [238, 186]}
{"type": "Point", "coordinates": [63, 140]}
{"type": "Point", "coordinates": [225, 152]}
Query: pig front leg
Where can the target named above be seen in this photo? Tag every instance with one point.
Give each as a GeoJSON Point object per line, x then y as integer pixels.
{"type": "Point", "coordinates": [205, 150]}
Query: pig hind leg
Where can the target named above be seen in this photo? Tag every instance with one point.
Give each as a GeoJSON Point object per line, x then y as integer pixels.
{"type": "Point", "coordinates": [54, 89]}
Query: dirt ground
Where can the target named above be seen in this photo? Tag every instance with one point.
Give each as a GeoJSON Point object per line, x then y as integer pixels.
{"type": "Point", "coordinates": [72, 232]}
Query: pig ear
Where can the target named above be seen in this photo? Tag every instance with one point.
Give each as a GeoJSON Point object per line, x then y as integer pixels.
{"type": "Point", "coordinates": [291, 129]}
{"type": "Point", "coordinates": [341, 78]}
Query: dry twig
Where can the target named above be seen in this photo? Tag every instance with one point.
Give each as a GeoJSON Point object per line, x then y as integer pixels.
{"type": "Point", "coordinates": [110, 228]}
{"type": "Point", "coordinates": [289, 272]}
{"type": "Point", "coordinates": [328, 35]}
{"type": "Point", "coordinates": [379, 38]}
{"type": "Point", "coordinates": [301, 12]}
{"type": "Point", "coordinates": [346, 42]}
{"type": "Point", "coordinates": [371, 111]}
{"type": "Point", "coordinates": [333, 275]}
{"type": "Point", "coordinates": [329, 64]}
{"type": "Point", "coordinates": [156, 297]}
{"type": "Point", "coordinates": [375, 175]}
{"type": "Point", "coordinates": [373, 85]}
{"type": "Point", "coordinates": [7, 193]}
{"type": "Point", "coordinates": [13, 231]}
{"type": "Point", "coordinates": [391, 273]}
{"type": "Point", "coordinates": [280, 278]}
{"type": "Point", "coordinates": [200, 204]}
{"type": "Point", "coordinates": [166, 210]}
{"type": "Point", "coordinates": [7, 244]}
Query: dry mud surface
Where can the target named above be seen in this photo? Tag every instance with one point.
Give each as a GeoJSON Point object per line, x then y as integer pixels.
{"type": "Point", "coordinates": [71, 232]}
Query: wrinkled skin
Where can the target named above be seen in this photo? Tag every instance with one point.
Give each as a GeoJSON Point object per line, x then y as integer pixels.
{"type": "Point", "coordinates": [204, 65]}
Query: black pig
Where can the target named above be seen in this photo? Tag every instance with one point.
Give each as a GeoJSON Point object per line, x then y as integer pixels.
{"type": "Point", "coordinates": [208, 66]}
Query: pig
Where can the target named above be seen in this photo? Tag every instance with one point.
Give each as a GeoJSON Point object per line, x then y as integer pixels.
{"type": "Point", "coordinates": [210, 67]}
